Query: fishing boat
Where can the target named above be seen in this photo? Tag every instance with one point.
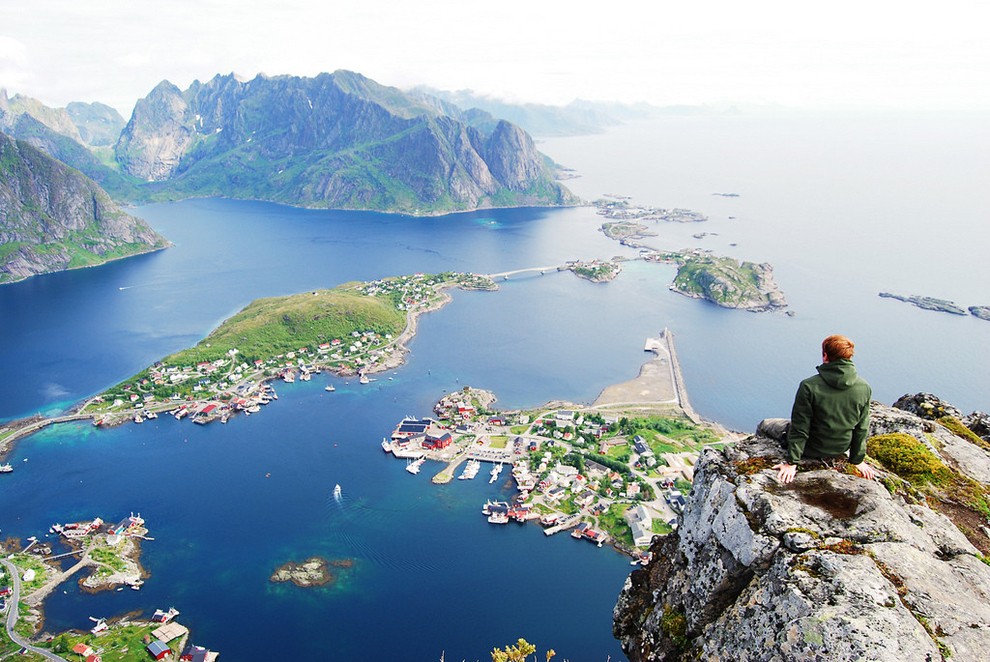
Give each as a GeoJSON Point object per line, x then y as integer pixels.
{"type": "Point", "coordinates": [498, 518]}
{"type": "Point", "coordinates": [6, 468]}
{"type": "Point", "coordinates": [336, 491]}
{"type": "Point", "coordinates": [386, 445]}
{"type": "Point", "coordinates": [414, 466]}
{"type": "Point", "coordinates": [470, 470]}
{"type": "Point", "coordinates": [330, 388]}
{"type": "Point", "coordinates": [496, 470]}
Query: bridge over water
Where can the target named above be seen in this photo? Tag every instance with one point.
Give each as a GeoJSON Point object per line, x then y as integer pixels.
{"type": "Point", "coordinates": [541, 270]}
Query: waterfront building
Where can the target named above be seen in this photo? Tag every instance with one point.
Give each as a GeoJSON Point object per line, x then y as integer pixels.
{"type": "Point", "coordinates": [157, 650]}
{"type": "Point", "coordinates": [641, 524]}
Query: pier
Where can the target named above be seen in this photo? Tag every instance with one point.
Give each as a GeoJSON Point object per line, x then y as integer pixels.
{"type": "Point", "coordinates": [566, 523]}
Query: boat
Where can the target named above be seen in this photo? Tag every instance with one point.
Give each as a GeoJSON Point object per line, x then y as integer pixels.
{"type": "Point", "coordinates": [386, 445]}
{"type": "Point", "coordinates": [138, 419]}
{"type": "Point", "coordinates": [162, 616]}
{"type": "Point", "coordinates": [151, 415]}
{"type": "Point", "coordinates": [414, 466]}
{"type": "Point", "coordinates": [498, 518]}
{"type": "Point", "coordinates": [364, 380]}
{"type": "Point", "coordinates": [470, 470]}
{"type": "Point", "coordinates": [6, 468]}
{"type": "Point", "coordinates": [336, 491]}
{"type": "Point", "coordinates": [330, 388]}
{"type": "Point", "coordinates": [494, 506]}
{"type": "Point", "coordinates": [496, 470]}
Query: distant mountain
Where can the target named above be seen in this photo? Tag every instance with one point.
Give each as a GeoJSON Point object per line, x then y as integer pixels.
{"type": "Point", "coordinates": [576, 118]}
{"type": "Point", "coordinates": [54, 218]}
{"type": "Point", "coordinates": [337, 140]}
{"type": "Point", "coordinates": [18, 106]}
{"type": "Point", "coordinates": [99, 125]}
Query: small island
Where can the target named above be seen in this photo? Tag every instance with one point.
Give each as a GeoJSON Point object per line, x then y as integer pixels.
{"type": "Point", "coordinates": [597, 271]}
{"type": "Point", "coordinates": [724, 281]}
{"type": "Point", "coordinates": [621, 230]}
{"type": "Point", "coordinates": [927, 303]}
{"type": "Point", "coordinates": [313, 572]}
{"type": "Point", "coordinates": [620, 210]}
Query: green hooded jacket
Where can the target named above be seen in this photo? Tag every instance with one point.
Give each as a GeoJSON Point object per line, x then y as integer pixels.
{"type": "Point", "coordinates": [831, 414]}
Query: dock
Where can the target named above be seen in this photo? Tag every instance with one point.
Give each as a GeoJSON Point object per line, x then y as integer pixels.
{"type": "Point", "coordinates": [567, 523]}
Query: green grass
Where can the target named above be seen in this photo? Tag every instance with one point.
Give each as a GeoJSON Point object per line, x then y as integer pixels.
{"type": "Point", "coordinates": [278, 325]}
{"type": "Point", "coordinates": [109, 557]}
{"type": "Point", "coordinates": [118, 644]}
{"type": "Point", "coordinates": [498, 441]}
{"type": "Point", "coordinates": [613, 522]}
{"type": "Point", "coordinates": [723, 280]}
{"type": "Point", "coordinates": [25, 562]}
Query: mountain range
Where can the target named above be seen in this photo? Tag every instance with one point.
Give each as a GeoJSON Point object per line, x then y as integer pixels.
{"type": "Point", "coordinates": [335, 140]}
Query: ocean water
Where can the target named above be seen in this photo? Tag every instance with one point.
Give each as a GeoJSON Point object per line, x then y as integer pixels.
{"type": "Point", "coordinates": [842, 207]}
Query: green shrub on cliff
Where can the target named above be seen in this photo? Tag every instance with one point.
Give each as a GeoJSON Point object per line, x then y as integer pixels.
{"type": "Point", "coordinates": [907, 457]}
{"type": "Point", "coordinates": [956, 427]}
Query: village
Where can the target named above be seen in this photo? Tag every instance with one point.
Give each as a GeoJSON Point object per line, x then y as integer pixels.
{"type": "Point", "coordinates": [610, 478]}
{"type": "Point", "coordinates": [111, 552]}
{"type": "Point", "coordinates": [216, 389]}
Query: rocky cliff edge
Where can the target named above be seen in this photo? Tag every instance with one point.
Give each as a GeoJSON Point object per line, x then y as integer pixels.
{"type": "Point", "coordinates": [831, 566]}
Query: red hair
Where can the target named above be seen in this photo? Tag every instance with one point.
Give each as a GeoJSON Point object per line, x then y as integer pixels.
{"type": "Point", "coordinates": [838, 347]}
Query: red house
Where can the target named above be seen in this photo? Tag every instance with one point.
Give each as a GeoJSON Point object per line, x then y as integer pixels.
{"type": "Point", "coordinates": [158, 650]}
{"type": "Point", "coordinates": [438, 443]}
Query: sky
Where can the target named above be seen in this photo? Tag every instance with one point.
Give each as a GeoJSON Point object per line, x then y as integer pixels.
{"type": "Point", "coordinates": [840, 54]}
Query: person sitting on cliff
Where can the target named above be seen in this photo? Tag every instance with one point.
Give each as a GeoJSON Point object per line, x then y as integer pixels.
{"type": "Point", "coordinates": [831, 413]}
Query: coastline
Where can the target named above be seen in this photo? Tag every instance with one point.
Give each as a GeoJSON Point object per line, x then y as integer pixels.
{"type": "Point", "coordinates": [89, 266]}
{"type": "Point", "coordinates": [21, 428]}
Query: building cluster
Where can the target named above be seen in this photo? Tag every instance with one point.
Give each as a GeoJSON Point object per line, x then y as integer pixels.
{"type": "Point", "coordinates": [158, 648]}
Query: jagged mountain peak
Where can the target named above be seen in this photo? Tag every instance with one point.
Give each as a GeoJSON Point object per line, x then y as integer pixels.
{"type": "Point", "coordinates": [337, 139]}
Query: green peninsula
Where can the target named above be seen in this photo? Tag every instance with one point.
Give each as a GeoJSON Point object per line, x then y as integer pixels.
{"type": "Point", "coordinates": [354, 329]}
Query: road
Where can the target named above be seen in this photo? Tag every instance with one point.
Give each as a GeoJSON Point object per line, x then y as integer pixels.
{"type": "Point", "coordinates": [12, 616]}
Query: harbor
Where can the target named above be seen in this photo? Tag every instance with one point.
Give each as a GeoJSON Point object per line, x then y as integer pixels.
{"type": "Point", "coordinates": [613, 473]}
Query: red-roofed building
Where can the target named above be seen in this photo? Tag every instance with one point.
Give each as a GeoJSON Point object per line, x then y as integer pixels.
{"type": "Point", "coordinates": [438, 443]}
{"type": "Point", "coordinates": [158, 650]}
{"type": "Point", "coordinates": [82, 649]}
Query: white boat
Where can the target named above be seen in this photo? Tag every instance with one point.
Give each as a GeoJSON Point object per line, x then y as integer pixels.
{"type": "Point", "coordinates": [386, 445]}
{"type": "Point", "coordinates": [138, 419]}
{"type": "Point", "coordinates": [364, 379]}
{"type": "Point", "coordinates": [498, 518]}
{"type": "Point", "coordinates": [6, 468]}
{"type": "Point", "coordinates": [470, 470]}
{"type": "Point", "coordinates": [330, 388]}
{"type": "Point", "coordinates": [151, 415]}
{"type": "Point", "coordinates": [336, 491]}
{"type": "Point", "coordinates": [414, 466]}
{"type": "Point", "coordinates": [496, 470]}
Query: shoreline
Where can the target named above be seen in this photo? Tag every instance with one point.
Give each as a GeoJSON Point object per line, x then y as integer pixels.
{"type": "Point", "coordinates": [88, 266]}
{"type": "Point", "coordinates": [24, 427]}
